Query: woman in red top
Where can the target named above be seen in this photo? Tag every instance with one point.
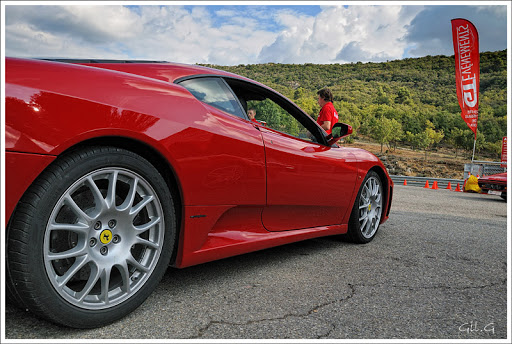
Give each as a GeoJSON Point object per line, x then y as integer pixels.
{"type": "Point", "coordinates": [328, 115]}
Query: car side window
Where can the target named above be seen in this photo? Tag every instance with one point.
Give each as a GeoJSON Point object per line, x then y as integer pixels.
{"type": "Point", "coordinates": [275, 111]}
{"type": "Point", "coordinates": [277, 118]}
{"type": "Point", "coordinates": [215, 92]}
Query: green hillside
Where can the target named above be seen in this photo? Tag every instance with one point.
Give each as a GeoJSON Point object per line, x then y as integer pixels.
{"type": "Point", "coordinates": [410, 102]}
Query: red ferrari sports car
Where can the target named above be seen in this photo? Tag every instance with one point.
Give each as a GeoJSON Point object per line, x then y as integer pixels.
{"type": "Point", "coordinates": [495, 184]}
{"type": "Point", "coordinates": [116, 170]}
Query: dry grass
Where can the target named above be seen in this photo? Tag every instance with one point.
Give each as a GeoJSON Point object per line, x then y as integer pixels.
{"type": "Point", "coordinates": [404, 161]}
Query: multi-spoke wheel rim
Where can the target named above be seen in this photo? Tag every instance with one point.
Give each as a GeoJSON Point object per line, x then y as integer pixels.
{"type": "Point", "coordinates": [104, 238]}
{"type": "Point", "coordinates": [370, 207]}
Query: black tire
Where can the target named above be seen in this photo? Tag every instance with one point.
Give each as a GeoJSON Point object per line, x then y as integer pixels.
{"type": "Point", "coordinates": [367, 206]}
{"type": "Point", "coordinates": [11, 296]}
{"type": "Point", "coordinates": [82, 256]}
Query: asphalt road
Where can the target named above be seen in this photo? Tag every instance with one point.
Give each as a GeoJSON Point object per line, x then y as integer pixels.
{"type": "Point", "coordinates": [437, 269]}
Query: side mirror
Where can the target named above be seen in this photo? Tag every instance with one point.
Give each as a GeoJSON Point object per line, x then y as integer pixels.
{"type": "Point", "coordinates": [338, 131]}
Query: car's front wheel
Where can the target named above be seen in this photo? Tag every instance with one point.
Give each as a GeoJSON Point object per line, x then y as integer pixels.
{"type": "Point", "coordinates": [91, 238]}
{"type": "Point", "coordinates": [367, 210]}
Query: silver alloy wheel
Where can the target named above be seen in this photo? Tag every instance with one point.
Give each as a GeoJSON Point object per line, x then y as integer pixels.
{"type": "Point", "coordinates": [104, 238]}
{"type": "Point", "coordinates": [370, 207]}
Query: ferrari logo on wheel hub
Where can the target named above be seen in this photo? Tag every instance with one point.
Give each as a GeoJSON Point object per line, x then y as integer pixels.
{"type": "Point", "coordinates": [106, 236]}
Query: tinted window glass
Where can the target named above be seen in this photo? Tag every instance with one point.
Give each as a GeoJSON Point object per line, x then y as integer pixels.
{"type": "Point", "coordinates": [274, 116]}
{"type": "Point", "coordinates": [215, 92]}
{"type": "Point", "coordinates": [275, 111]}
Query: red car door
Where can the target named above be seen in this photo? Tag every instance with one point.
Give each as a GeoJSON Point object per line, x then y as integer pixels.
{"type": "Point", "coordinates": [228, 167]}
{"type": "Point", "coordinates": [308, 184]}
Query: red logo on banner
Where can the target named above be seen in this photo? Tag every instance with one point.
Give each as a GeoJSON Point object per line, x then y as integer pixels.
{"type": "Point", "coordinates": [504, 152]}
{"type": "Point", "coordinates": [467, 70]}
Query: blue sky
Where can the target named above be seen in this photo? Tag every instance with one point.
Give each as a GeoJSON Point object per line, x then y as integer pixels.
{"type": "Point", "coordinates": [336, 32]}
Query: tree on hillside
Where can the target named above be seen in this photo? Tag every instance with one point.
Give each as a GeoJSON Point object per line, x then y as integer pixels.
{"type": "Point", "coordinates": [458, 138]}
{"type": "Point", "coordinates": [382, 97]}
{"type": "Point", "coordinates": [404, 96]}
{"type": "Point", "coordinates": [299, 93]}
{"type": "Point", "coordinates": [385, 130]}
{"type": "Point", "coordinates": [494, 148]}
{"type": "Point", "coordinates": [418, 140]}
{"type": "Point", "coordinates": [397, 133]}
{"type": "Point", "coordinates": [433, 137]}
{"type": "Point", "coordinates": [309, 105]}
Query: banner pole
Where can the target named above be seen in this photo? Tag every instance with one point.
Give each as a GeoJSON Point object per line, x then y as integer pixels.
{"type": "Point", "coordinates": [473, 157]}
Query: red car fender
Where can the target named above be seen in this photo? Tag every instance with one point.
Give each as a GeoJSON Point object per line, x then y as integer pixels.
{"type": "Point", "coordinates": [368, 161]}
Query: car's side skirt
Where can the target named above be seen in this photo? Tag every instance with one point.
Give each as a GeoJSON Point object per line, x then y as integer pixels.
{"type": "Point", "coordinates": [213, 232]}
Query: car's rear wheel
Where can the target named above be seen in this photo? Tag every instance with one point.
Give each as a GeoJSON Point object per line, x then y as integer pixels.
{"type": "Point", "coordinates": [91, 238]}
{"type": "Point", "coordinates": [367, 211]}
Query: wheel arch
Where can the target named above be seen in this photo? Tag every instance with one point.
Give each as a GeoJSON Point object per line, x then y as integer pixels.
{"type": "Point", "coordinates": [156, 159]}
{"type": "Point", "coordinates": [388, 191]}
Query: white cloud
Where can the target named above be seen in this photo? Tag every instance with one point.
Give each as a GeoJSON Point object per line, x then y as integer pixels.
{"type": "Point", "coordinates": [238, 34]}
{"type": "Point", "coordinates": [94, 24]}
{"type": "Point", "coordinates": [288, 45]}
{"type": "Point", "coordinates": [377, 31]}
{"type": "Point", "coordinates": [173, 33]}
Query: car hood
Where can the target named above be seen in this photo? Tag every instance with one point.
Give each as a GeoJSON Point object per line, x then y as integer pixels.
{"type": "Point", "coordinates": [500, 177]}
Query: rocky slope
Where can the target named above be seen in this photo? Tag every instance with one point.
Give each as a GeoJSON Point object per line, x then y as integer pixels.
{"type": "Point", "coordinates": [407, 162]}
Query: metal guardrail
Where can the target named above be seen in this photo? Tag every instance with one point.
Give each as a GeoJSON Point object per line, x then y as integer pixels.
{"type": "Point", "coordinates": [490, 162]}
{"type": "Point", "coordinates": [477, 168]}
{"type": "Point", "coordinates": [484, 168]}
{"type": "Point", "coordinates": [442, 183]}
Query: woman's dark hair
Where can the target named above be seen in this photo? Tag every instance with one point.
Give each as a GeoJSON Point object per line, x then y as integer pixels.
{"type": "Point", "coordinates": [326, 94]}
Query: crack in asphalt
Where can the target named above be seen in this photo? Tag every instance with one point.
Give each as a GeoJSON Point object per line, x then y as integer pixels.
{"type": "Point", "coordinates": [353, 287]}
{"type": "Point", "coordinates": [202, 331]}
{"type": "Point", "coordinates": [315, 309]}
{"type": "Point", "coordinates": [490, 285]}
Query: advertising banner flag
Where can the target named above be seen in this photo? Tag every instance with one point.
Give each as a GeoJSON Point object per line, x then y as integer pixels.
{"type": "Point", "coordinates": [467, 70]}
